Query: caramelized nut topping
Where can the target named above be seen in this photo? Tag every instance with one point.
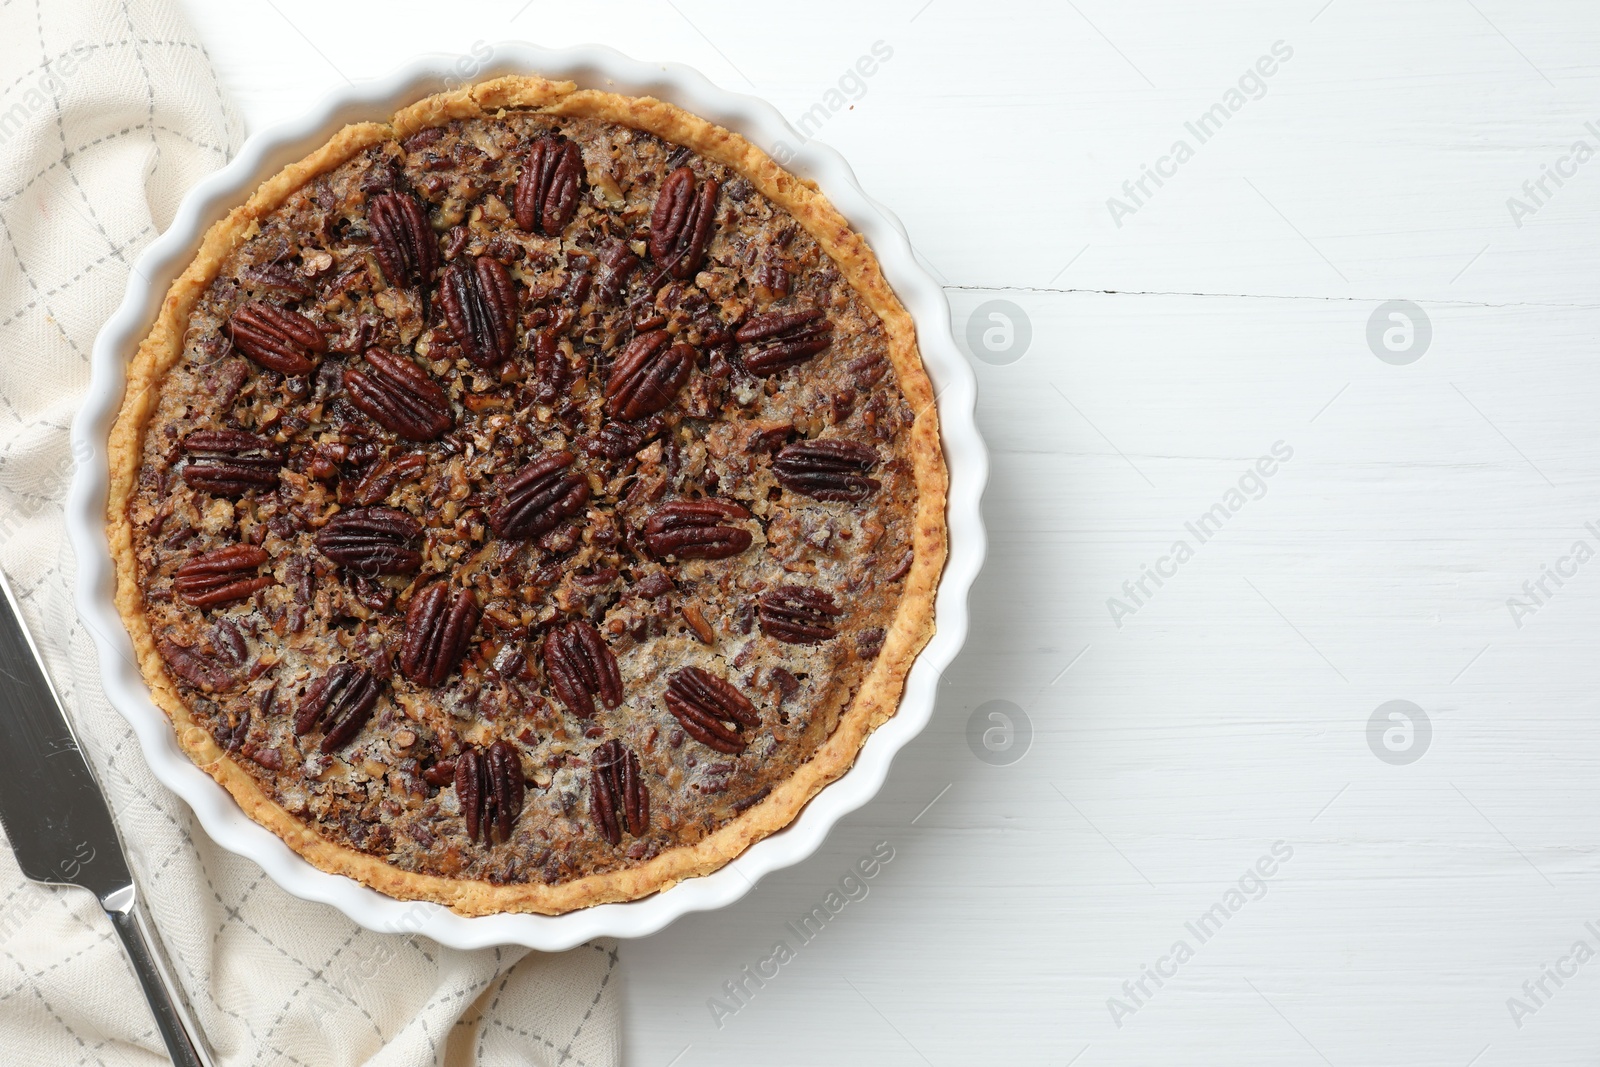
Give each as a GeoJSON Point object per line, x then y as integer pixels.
{"type": "Point", "coordinates": [797, 615]}
{"type": "Point", "coordinates": [231, 462]}
{"type": "Point", "coordinates": [490, 790]}
{"type": "Point", "coordinates": [402, 239]}
{"type": "Point", "coordinates": [618, 799]}
{"type": "Point", "coordinates": [548, 190]}
{"type": "Point", "coordinates": [536, 498]}
{"type": "Point", "coordinates": [691, 529]}
{"type": "Point", "coordinates": [372, 541]}
{"type": "Point", "coordinates": [647, 376]}
{"type": "Point", "coordinates": [438, 630]}
{"type": "Point", "coordinates": [779, 340]}
{"type": "Point", "coordinates": [827, 470]}
{"type": "Point", "coordinates": [588, 480]}
{"type": "Point", "coordinates": [701, 702]}
{"type": "Point", "coordinates": [480, 303]}
{"type": "Point", "coordinates": [400, 396]}
{"type": "Point", "coordinates": [341, 702]}
{"type": "Point", "coordinates": [580, 667]}
{"type": "Point", "coordinates": [277, 338]}
{"type": "Point", "coordinates": [223, 576]}
{"type": "Point", "coordinates": [681, 224]}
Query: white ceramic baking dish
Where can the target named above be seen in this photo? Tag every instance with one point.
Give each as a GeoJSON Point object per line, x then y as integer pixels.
{"type": "Point", "coordinates": [264, 154]}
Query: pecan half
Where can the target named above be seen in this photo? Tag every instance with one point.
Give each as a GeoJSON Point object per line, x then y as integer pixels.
{"type": "Point", "coordinates": [400, 396]}
{"type": "Point", "coordinates": [575, 287]}
{"type": "Point", "coordinates": [224, 381]}
{"type": "Point", "coordinates": [647, 376]}
{"type": "Point", "coordinates": [275, 337]}
{"type": "Point", "coordinates": [547, 191]}
{"type": "Point", "coordinates": [372, 541]}
{"type": "Point", "coordinates": [680, 225]}
{"type": "Point", "coordinates": [618, 799]}
{"type": "Point", "coordinates": [222, 576]}
{"type": "Point", "coordinates": [438, 630]}
{"type": "Point", "coordinates": [489, 790]}
{"type": "Point", "coordinates": [228, 645]}
{"type": "Point", "coordinates": [797, 615]}
{"type": "Point", "coordinates": [704, 704]}
{"type": "Point", "coordinates": [536, 498]}
{"type": "Point", "coordinates": [552, 375]}
{"type": "Point", "coordinates": [618, 264]}
{"type": "Point", "coordinates": [827, 470]}
{"type": "Point", "coordinates": [441, 773]}
{"type": "Point", "coordinates": [383, 477]}
{"type": "Point", "coordinates": [195, 667]}
{"type": "Point", "coordinates": [403, 239]}
{"type": "Point", "coordinates": [230, 462]}
{"type": "Point", "coordinates": [581, 666]}
{"type": "Point", "coordinates": [276, 278]}
{"type": "Point", "coordinates": [480, 304]}
{"type": "Point", "coordinates": [341, 702]}
{"type": "Point", "coordinates": [691, 529]}
{"type": "Point", "coordinates": [782, 339]}
{"type": "Point", "coordinates": [619, 440]}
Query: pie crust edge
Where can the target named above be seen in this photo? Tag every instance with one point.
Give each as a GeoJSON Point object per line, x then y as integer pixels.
{"type": "Point", "coordinates": [879, 694]}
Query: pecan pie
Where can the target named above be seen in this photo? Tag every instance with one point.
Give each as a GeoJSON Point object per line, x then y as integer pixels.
{"type": "Point", "coordinates": [530, 501]}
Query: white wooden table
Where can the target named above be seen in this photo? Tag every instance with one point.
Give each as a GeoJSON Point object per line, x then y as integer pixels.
{"type": "Point", "coordinates": [1175, 340]}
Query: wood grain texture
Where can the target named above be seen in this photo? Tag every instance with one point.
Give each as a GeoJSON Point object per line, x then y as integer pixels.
{"type": "Point", "coordinates": [1230, 712]}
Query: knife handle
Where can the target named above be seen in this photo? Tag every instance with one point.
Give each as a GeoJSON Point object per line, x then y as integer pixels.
{"type": "Point", "coordinates": [185, 1042]}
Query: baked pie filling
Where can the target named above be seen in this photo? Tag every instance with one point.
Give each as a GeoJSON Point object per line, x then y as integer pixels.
{"type": "Point", "coordinates": [520, 495]}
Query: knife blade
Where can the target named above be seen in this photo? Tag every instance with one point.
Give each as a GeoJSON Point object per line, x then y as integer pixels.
{"type": "Point", "coordinates": [56, 819]}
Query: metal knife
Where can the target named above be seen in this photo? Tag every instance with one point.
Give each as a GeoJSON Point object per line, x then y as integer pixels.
{"type": "Point", "coordinates": [58, 824]}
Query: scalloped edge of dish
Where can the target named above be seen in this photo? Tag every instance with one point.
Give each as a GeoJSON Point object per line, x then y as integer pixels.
{"type": "Point", "coordinates": [263, 154]}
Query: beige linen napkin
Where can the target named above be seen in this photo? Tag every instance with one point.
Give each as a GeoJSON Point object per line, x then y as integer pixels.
{"type": "Point", "coordinates": [109, 111]}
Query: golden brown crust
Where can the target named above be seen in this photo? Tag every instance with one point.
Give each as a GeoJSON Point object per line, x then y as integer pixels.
{"type": "Point", "coordinates": [879, 694]}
